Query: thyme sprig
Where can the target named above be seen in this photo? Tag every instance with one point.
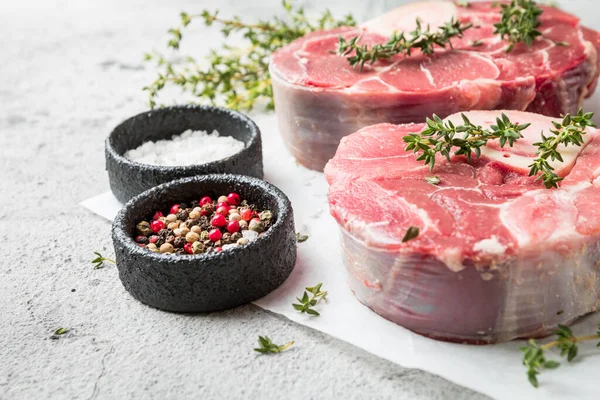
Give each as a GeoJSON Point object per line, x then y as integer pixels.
{"type": "Point", "coordinates": [444, 137]}
{"type": "Point", "coordinates": [534, 356]}
{"type": "Point", "coordinates": [100, 259]}
{"type": "Point", "coordinates": [400, 43]}
{"type": "Point", "coordinates": [519, 23]}
{"type": "Point", "coordinates": [308, 302]}
{"type": "Point", "coordinates": [236, 77]}
{"type": "Point", "coordinates": [569, 131]}
{"type": "Point", "coordinates": [267, 346]}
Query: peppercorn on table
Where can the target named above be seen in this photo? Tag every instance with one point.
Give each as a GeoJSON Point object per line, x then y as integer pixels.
{"type": "Point", "coordinates": [72, 71]}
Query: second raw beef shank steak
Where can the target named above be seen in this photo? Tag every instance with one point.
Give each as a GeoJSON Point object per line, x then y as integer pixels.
{"type": "Point", "coordinates": [498, 255]}
{"type": "Point", "coordinates": [320, 98]}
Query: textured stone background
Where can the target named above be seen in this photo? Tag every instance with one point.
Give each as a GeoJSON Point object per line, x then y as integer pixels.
{"type": "Point", "coordinates": [69, 72]}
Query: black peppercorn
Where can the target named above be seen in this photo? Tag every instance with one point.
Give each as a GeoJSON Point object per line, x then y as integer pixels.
{"type": "Point", "coordinates": [170, 239]}
{"type": "Point", "coordinates": [191, 222]}
{"type": "Point", "coordinates": [194, 203]}
{"type": "Point", "coordinates": [179, 242]}
{"type": "Point", "coordinates": [142, 239]}
{"type": "Point", "coordinates": [209, 208]}
{"type": "Point", "coordinates": [236, 236]}
{"type": "Point", "coordinates": [226, 238]}
{"type": "Point", "coordinates": [182, 215]}
{"type": "Point", "coordinates": [183, 205]}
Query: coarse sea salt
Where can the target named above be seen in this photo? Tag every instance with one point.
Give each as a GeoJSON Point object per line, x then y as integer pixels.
{"type": "Point", "coordinates": [188, 148]}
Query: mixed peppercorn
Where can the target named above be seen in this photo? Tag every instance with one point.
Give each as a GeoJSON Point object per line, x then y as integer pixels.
{"type": "Point", "coordinates": [204, 226]}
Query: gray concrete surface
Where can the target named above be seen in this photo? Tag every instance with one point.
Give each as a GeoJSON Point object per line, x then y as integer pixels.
{"type": "Point", "coordinates": [69, 72]}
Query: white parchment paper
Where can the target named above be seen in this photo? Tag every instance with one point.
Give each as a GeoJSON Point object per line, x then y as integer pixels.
{"type": "Point", "coordinates": [494, 370]}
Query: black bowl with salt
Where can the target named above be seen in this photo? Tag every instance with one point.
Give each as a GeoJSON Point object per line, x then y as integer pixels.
{"type": "Point", "coordinates": [212, 281]}
{"type": "Point", "coordinates": [129, 178]}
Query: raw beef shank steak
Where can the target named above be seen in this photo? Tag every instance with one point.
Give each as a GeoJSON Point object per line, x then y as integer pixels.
{"type": "Point", "coordinates": [498, 255]}
{"type": "Point", "coordinates": [320, 98]}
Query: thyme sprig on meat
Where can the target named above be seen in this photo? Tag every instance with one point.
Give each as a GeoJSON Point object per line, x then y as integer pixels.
{"type": "Point", "coordinates": [569, 131]}
{"type": "Point", "coordinates": [447, 139]}
{"type": "Point", "coordinates": [519, 23]}
{"type": "Point", "coordinates": [236, 77]}
{"type": "Point", "coordinates": [400, 43]}
{"type": "Point", "coordinates": [534, 356]}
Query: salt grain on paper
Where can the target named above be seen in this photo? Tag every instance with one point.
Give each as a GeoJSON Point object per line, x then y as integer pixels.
{"type": "Point", "coordinates": [189, 148]}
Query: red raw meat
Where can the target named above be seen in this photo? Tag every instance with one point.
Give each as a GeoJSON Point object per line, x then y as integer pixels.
{"type": "Point", "coordinates": [320, 99]}
{"type": "Point", "coordinates": [498, 255]}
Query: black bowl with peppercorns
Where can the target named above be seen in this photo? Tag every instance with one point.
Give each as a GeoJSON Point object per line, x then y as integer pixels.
{"type": "Point", "coordinates": [129, 178]}
{"type": "Point", "coordinates": [182, 246]}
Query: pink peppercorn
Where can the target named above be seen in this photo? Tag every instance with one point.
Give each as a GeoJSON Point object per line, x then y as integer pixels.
{"type": "Point", "coordinates": [157, 215]}
{"type": "Point", "coordinates": [246, 214]}
{"type": "Point", "coordinates": [153, 239]}
{"type": "Point", "coordinates": [218, 220]}
{"type": "Point", "coordinates": [233, 199]}
{"type": "Point", "coordinates": [233, 226]}
{"type": "Point", "coordinates": [223, 210]}
{"type": "Point", "coordinates": [215, 235]}
{"type": "Point", "coordinates": [174, 209]}
{"type": "Point", "coordinates": [157, 226]}
{"type": "Point", "coordinates": [188, 248]}
{"type": "Point", "coordinates": [218, 249]}
{"type": "Point", "coordinates": [205, 200]}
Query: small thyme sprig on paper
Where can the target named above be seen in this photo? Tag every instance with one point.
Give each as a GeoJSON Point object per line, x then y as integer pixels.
{"type": "Point", "coordinates": [236, 77]}
{"type": "Point", "coordinates": [443, 137]}
{"type": "Point", "coordinates": [308, 302]}
{"type": "Point", "coordinates": [267, 346]}
{"type": "Point", "coordinates": [399, 43]}
{"type": "Point", "coordinates": [519, 22]}
{"type": "Point", "coordinates": [569, 131]}
{"type": "Point", "coordinates": [534, 357]}
{"type": "Point", "coordinates": [100, 259]}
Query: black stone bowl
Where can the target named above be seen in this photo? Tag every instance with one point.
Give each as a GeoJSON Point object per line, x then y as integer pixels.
{"type": "Point", "coordinates": [129, 178]}
{"type": "Point", "coordinates": [213, 281]}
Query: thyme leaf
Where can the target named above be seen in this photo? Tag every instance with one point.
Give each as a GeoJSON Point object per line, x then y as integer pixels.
{"type": "Point", "coordinates": [411, 233]}
{"type": "Point", "coordinates": [301, 237]}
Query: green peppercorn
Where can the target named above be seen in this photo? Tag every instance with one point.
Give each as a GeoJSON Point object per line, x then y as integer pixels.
{"type": "Point", "coordinates": [198, 247]}
{"type": "Point", "coordinates": [143, 228]}
{"type": "Point", "coordinates": [256, 226]}
{"type": "Point", "coordinates": [204, 236]}
{"type": "Point", "coordinates": [266, 215]}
